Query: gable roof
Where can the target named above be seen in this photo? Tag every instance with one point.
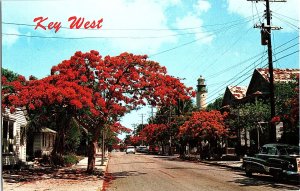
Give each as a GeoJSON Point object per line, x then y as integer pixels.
{"type": "Point", "coordinates": [260, 79]}
{"type": "Point", "coordinates": [233, 93]}
{"type": "Point", "coordinates": [238, 91]}
{"type": "Point", "coordinates": [280, 75]}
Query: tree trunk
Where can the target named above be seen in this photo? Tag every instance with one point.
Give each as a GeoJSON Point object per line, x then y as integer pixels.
{"type": "Point", "coordinates": [92, 155]}
{"type": "Point", "coordinates": [181, 148]}
{"type": "Point", "coordinates": [92, 150]}
{"type": "Point", "coordinates": [62, 124]}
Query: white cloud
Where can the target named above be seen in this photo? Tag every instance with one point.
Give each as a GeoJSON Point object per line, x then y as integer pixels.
{"type": "Point", "coordinates": [202, 6]}
{"type": "Point", "coordinates": [190, 21]}
{"type": "Point", "coordinates": [281, 10]}
{"type": "Point", "coordinates": [9, 40]}
{"type": "Point", "coordinates": [116, 14]}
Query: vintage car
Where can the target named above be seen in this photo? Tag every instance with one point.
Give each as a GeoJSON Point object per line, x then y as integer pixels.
{"type": "Point", "coordinates": [277, 160]}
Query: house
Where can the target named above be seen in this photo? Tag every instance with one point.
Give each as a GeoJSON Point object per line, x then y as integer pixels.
{"type": "Point", "coordinates": [233, 94]}
{"type": "Point", "coordinates": [258, 87]}
{"type": "Point", "coordinates": [13, 137]}
{"type": "Point", "coordinates": [260, 79]}
{"type": "Point", "coordinates": [43, 141]}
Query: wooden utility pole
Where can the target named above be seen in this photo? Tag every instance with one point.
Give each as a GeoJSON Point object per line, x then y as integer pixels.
{"type": "Point", "coordinates": [266, 39]}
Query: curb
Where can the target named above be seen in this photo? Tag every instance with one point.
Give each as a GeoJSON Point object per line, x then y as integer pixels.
{"type": "Point", "coordinates": [223, 165]}
{"type": "Point", "coordinates": [105, 175]}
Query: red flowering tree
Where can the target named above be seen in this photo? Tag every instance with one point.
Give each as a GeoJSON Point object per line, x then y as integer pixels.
{"type": "Point", "coordinates": [98, 91]}
{"type": "Point", "coordinates": [153, 133]}
{"type": "Point", "coordinates": [205, 126]}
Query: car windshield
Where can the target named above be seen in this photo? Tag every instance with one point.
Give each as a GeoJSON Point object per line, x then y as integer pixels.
{"type": "Point", "coordinates": [130, 147]}
{"type": "Point", "coordinates": [288, 150]}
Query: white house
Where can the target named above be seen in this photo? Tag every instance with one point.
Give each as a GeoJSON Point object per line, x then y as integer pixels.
{"type": "Point", "coordinates": [13, 137]}
{"type": "Point", "coordinates": [44, 140]}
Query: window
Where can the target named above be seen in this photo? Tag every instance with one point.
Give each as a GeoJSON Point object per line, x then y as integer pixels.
{"type": "Point", "coordinates": [5, 129]}
{"type": "Point", "coordinates": [44, 139]}
{"type": "Point", "coordinates": [22, 133]}
{"type": "Point", "coordinates": [11, 130]}
{"type": "Point", "coordinates": [10, 148]}
{"type": "Point", "coordinates": [272, 151]}
{"type": "Point", "coordinates": [263, 150]}
{"type": "Point", "coordinates": [8, 129]}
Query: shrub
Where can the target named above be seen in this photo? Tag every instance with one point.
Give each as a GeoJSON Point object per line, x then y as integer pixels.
{"type": "Point", "coordinates": [70, 160]}
{"type": "Point", "coordinates": [57, 160]}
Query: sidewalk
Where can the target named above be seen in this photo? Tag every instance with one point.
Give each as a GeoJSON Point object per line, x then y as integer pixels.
{"type": "Point", "coordinates": [233, 164]}
{"type": "Point", "coordinates": [67, 178]}
{"type": "Point", "coordinates": [236, 165]}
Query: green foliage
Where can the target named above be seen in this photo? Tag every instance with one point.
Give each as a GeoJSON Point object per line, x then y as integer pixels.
{"type": "Point", "coordinates": [10, 75]}
{"type": "Point", "coordinates": [64, 160]}
{"type": "Point", "coordinates": [248, 115]}
{"type": "Point", "coordinates": [70, 159]}
{"type": "Point", "coordinates": [73, 137]}
{"type": "Point", "coordinates": [216, 105]}
{"type": "Point", "coordinates": [284, 92]}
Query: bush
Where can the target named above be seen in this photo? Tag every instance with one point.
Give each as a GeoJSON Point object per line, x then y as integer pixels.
{"type": "Point", "coordinates": [64, 160]}
{"type": "Point", "coordinates": [70, 160]}
{"type": "Point", "coordinates": [57, 160]}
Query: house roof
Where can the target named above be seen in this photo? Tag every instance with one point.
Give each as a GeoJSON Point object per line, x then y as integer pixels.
{"type": "Point", "coordinates": [280, 75]}
{"type": "Point", "coordinates": [238, 91]}
{"type": "Point", "coordinates": [47, 130]}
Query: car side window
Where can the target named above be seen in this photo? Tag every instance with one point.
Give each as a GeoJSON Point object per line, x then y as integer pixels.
{"type": "Point", "coordinates": [272, 151]}
{"type": "Point", "coordinates": [263, 150]}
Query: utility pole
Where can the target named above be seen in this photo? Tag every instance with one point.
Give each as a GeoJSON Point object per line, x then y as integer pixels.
{"type": "Point", "coordinates": [266, 40]}
{"type": "Point", "coordinates": [169, 124]}
{"type": "Point", "coordinates": [142, 115]}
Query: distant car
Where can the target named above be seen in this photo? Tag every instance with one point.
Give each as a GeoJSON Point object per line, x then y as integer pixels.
{"type": "Point", "coordinates": [277, 160]}
{"type": "Point", "coordinates": [153, 149]}
{"type": "Point", "coordinates": [130, 149]}
{"type": "Point", "coordinates": [142, 149]}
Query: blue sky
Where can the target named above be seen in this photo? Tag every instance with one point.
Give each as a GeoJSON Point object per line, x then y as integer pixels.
{"type": "Point", "coordinates": [212, 38]}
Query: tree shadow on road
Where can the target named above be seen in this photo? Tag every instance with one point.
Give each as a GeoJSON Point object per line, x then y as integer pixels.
{"type": "Point", "coordinates": [267, 181]}
{"type": "Point", "coordinates": [134, 162]}
{"type": "Point", "coordinates": [109, 177]}
{"type": "Point", "coordinates": [124, 174]}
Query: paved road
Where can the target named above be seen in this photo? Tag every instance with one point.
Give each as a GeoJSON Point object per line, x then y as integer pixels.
{"type": "Point", "coordinates": [150, 173]}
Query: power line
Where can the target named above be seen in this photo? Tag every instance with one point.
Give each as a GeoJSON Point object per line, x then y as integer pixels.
{"type": "Point", "coordinates": [227, 50]}
{"type": "Point", "coordinates": [253, 57]}
{"type": "Point", "coordinates": [193, 41]}
{"type": "Point", "coordinates": [223, 32]}
{"type": "Point", "coordinates": [218, 90]}
{"type": "Point", "coordinates": [297, 20]}
{"type": "Point", "coordinates": [291, 24]}
{"type": "Point", "coordinates": [238, 76]}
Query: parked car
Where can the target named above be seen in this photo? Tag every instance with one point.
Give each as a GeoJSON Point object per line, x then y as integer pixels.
{"type": "Point", "coordinates": [153, 149]}
{"type": "Point", "coordinates": [142, 149]}
{"type": "Point", "coordinates": [277, 160]}
{"type": "Point", "coordinates": [130, 149]}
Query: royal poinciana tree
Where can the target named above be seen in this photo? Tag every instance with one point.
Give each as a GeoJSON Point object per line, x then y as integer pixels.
{"type": "Point", "coordinates": [97, 91]}
{"type": "Point", "coordinates": [205, 126]}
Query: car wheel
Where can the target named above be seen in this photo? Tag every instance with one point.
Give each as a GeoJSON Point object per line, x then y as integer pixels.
{"type": "Point", "coordinates": [248, 170]}
{"type": "Point", "coordinates": [277, 176]}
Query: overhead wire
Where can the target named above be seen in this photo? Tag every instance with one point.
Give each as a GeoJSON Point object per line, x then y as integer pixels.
{"type": "Point", "coordinates": [287, 22]}
{"type": "Point", "coordinates": [240, 75]}
{"type": "Point", "coordinates": [253, 57]}
{"type": "Point", "coordinates": [193, 41]}
{"type": "Point", "coordinates": [227, 49]}
{"type": "Point", "coordinates": [287, 55]}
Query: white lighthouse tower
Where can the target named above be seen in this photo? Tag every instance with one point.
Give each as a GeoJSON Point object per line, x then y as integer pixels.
{"type": "Point", "coordinates": [201, 93]}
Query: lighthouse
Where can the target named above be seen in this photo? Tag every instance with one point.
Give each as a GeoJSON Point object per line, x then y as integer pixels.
{"type": "Point", "coordinates": [201, 93]}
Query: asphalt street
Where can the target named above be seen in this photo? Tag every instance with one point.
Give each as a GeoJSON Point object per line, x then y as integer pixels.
{"type": "Point", "coordinates": [141, 172]}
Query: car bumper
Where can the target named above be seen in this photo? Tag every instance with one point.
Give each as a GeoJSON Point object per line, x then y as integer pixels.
{"type": "Point", "coordinates": [291, 173]}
